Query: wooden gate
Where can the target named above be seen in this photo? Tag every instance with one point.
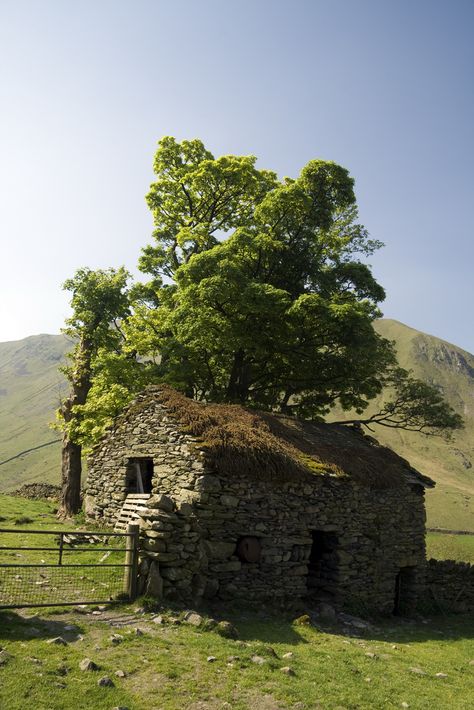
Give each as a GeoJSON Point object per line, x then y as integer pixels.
{"type": "Point", "coordinates": [67, 568]}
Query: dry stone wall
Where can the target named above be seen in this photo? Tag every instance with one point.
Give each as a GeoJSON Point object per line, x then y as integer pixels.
{"type": "Point", "coordinates": [376, 534]}
{"type": "Point", "coordinates": [451, 585]}
{"type": "Point", "coordinates": [196, 519]}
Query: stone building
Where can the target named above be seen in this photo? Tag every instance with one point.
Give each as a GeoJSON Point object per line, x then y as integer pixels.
{"type": "Point", "coordinates": [234, 504]}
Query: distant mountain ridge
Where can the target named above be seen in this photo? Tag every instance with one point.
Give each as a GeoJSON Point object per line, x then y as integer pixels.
{"type": "Point", "coordinates": [31, 387]}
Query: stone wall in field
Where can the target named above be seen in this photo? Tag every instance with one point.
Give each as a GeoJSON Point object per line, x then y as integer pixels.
{"type": "Point", "coordinates": [450, 585]}
{"type": "Point", "coordinates": [206, 535]}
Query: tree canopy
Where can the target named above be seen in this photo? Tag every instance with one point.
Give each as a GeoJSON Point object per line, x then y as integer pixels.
{"type": "Point", "coordinates": [258, 293]}
{"type": "Point", "coordinates": [99, 302]}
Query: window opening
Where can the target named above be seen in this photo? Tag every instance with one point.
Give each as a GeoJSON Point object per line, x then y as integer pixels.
{"type": "Point", "coordinates": [249, 549]}
{"type": "Point", "coordinates": [139, 475]}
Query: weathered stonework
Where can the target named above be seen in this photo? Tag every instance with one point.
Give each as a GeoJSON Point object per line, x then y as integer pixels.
{"type": "Point", "coordinates": [451, 585]}
{"type": "Point", "coordinates": [329, 536]}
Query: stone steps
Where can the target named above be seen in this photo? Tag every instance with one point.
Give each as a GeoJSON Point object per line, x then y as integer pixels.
{"type": "Point", "coordinates": [133, 505]}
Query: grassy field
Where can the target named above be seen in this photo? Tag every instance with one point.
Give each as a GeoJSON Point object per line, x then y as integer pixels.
{"type": "Point", "coordinates": [30, 391]}
{"type": "Point", "coordinates": [450, 547]}
{"type": "Point", "coordinates": [166, 666]}
{"type": "Point", "coordinates": [391, 663]}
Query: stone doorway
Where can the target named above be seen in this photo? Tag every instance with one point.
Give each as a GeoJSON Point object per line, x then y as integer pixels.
{"type": "Point", "coordinates": [405, 591]}
{"type": "Point", "coordinates": [323, 565]}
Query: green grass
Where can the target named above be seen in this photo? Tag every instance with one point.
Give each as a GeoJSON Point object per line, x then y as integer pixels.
{"type": "Point", "coordinates": [30, 391]}
{"type": "Point", "coordinates": [167, 666]}
{"type": "Point", "coordinates": [450, 547]}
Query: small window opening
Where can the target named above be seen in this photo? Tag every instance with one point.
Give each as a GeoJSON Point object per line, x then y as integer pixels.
{"type": "Point", "coordinates": [405, 591]}
{"type": "Point", "coordinates": [139, 475]}
{"type": "Point", "coordinates": [323, 563]}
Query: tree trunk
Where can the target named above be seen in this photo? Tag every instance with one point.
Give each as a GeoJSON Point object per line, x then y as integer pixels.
{"type": "Point", "coordinates": [71, 467]}
{"type": "Point", "coordinates": [239, 380]}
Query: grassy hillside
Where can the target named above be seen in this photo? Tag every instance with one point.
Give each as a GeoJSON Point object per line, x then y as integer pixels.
{"type": "Point", "coordinates": [451, 464]}
{"type": "Point", "coordinates": [273, 665]}
{"type": "Point", "coordinates": [30, 386]}
{"type": "Point", "coordinates": [30, 389]}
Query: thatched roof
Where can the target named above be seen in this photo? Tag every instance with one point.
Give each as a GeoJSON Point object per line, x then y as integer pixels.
{"type": "Point", "coordinates": [238, 441]}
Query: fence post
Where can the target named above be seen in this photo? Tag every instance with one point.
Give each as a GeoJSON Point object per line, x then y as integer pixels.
{"type": "Point", "coordinates": [131, 562]}
{"type": "Point", "coordinates": [61, 548]}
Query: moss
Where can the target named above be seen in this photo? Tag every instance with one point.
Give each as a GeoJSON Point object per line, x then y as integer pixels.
{"type": "Point", "coordinates": [240, 442]}
{"type": "Point", "coordinates": [320, 467]}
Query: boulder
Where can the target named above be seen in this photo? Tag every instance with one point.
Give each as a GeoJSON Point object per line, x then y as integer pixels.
{"type": "Point", "coordinates": [227, 630]}
{"type": "Point", "coordinates": [87, 665]}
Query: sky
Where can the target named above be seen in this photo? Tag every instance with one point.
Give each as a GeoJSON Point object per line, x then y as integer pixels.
{"type": "Point", "coordinates": [87, 88]}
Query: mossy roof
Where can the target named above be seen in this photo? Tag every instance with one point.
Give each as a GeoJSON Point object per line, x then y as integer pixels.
{"type": "Point", "coordinates": [242, 442]}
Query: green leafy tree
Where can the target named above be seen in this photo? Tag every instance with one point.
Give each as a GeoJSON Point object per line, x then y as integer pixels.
{"type": "Point", "coordinates": [116, 377]}
{"type": "Point", "coordinates": [99, 302]}
{"type": "Point", "coordinates": [257, 293]}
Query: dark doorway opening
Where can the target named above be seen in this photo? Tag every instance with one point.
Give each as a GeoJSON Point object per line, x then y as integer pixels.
{"type": "Point", "coordinates": [405, 591]}
{"type": "Point", "coordinates": [323, 564]}
{"type": "Point", "coordinates": [139, 475]}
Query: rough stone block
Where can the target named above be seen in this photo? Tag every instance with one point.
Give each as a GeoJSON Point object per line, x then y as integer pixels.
{"type": "Point", "coordinates": [162, 502]}
{"type": "Point", "coordinates": [208, 484]}
{"type": "Point", "coordinates": [154, 544]}
{"type": "Point", "coordinates": [231, 566]}
{"type": "Point", "coordinates": [154, 586]}
{"type": "Point", "coordinates": [229, 501]}
{"type": "Point", "coordinates": [217, 549]}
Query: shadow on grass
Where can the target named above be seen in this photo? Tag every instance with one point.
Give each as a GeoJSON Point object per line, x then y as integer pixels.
{"type": "Point", "coordinates": [278, 627]}
{"type": "Point", "coordinates": [270, 631]}
{"type": "Point", "coordinates": [14, 627]}
{"type": "Point", "coordinates": [395, 629]}
{"type": "Point", "coordinates": [450, 627]}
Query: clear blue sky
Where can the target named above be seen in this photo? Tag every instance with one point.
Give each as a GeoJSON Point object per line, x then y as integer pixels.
{"type": "Point", "coordinates": [385, 88]}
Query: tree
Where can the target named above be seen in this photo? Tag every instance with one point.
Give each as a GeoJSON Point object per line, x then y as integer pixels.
{"type": "Point", "coordinates": [257, 295]}
{"type": "Point", "coordinates": [413, 405]}
{"type": "Point", "coordinates": [99, 301]}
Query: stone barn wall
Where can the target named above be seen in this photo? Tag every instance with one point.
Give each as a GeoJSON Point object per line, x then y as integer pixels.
{"type": "Point", "coordinates": [192, 545]}
{"type": "Point", "coordinates": [141, 432]}
{"type": "Point", "coordinates": [197, 521]}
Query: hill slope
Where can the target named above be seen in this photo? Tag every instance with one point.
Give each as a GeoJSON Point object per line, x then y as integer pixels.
{"type": "Point", "coordinates": [30, 389]}
{"type": "Point", "coordinates": [450, 464]}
